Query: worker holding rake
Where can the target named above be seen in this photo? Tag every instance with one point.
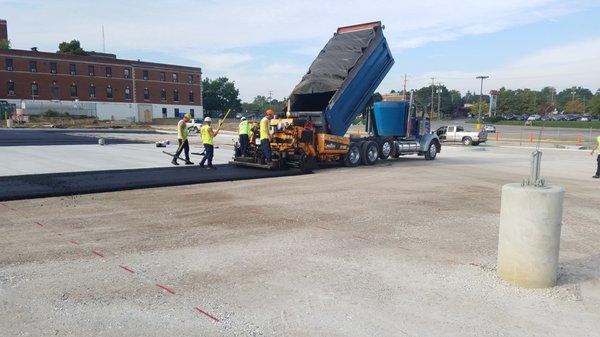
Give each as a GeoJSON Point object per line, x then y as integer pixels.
{"type": "Point", "coordinates": [182, 138]}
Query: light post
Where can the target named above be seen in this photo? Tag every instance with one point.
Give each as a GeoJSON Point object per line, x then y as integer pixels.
{"type": "Point", "coordinates": [481, 96]}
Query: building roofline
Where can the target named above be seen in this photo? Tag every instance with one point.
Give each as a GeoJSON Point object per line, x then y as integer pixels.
{"type": "Point", "coordinates": [98, 59]}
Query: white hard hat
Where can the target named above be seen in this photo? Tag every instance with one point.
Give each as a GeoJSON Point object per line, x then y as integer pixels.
{"type": "Point", "coordinates": [243, 118]}
{"type": "Point", "coordinates": [207, 119]}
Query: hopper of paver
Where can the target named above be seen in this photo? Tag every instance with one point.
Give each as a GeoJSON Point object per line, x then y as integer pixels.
{"type": "Point", "coordinates": [343, 77]}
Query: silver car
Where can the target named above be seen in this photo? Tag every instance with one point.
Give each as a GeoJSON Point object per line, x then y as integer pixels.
{"type": "Point", "coordinates": [489, 128]}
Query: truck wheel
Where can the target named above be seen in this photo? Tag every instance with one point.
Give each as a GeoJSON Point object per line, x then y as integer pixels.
{"type": "Point", "coordinates": [467, 141]}
{"type": "Point", "coordinates": [395, 150]}
{"type": "Point", "coordinates": [386, 148]}
{"type": "Point", "coordinates": [352, 157]}
{"type": "Point", "coordinates": [431, 152]}
{"type": "Point", "coordinates": [370, 152]}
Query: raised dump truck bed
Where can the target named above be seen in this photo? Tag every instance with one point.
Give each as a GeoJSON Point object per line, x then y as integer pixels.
{"type": "Point", "coordinates": [344, 76]}
{"type": "Point", "coordinates": [331, 95]}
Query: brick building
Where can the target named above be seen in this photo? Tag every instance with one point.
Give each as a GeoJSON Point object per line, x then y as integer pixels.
{"type": "Point", "coordinates": [108, 87]}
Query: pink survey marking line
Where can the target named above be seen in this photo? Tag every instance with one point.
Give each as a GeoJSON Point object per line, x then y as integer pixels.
{"type": "Point", "coordinates": [327, 229]}
{"type": "Point", "coordinates": [129, 270]}
{"type": "Point", "coordinates": [39, 224]}
{"type": "Point", "coordinates": [74, 242]}
{"type": "Point", "coordinates": [97, 253]}
{"type": "Point", "coordinates": [216, 320]}
{"type": "Point", "coordinates": [360, 237]}
{"type": "Point", "coordinates": [165, 288]}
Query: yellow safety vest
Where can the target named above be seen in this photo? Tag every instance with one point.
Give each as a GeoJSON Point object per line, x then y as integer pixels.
{"type": "Point", "coordinates": [206, 137]}
{"type": "Point", "coordinates": [244, 128]}
{"type": "Point", "coordinates": [264, 128]}
{"type": "Point", "coordinates": [182, 135]}
{"type": "Point", "coordinates": [598, 139]}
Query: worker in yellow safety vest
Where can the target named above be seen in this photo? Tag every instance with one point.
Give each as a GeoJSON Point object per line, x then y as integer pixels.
{"type": "Point", "coordinates": [265, 136]}
{"type": "Point", "coordinates": [597, 147]}
{"type": "Point", "coordinates": [244, 133]}
{"type": "Point", "coordinates": [208, 134]}
{"type": "Point", "coordinates": [182, 139]}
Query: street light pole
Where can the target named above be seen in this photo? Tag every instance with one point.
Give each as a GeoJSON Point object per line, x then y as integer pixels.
{"type": "Point", "coordinates": [481, 95]}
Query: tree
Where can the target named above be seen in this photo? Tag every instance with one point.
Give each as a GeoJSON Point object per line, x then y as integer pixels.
{"type": "Point", "coordinates": [4, 44]}
{"type": "Point", "coordinates": [73, 48]}
{"type": "Point", "coordinates": [594, 105]}
{"type": "Point", "coordinates": [220, 95]}
{"type": "Point", "coordinates": [574, 107]}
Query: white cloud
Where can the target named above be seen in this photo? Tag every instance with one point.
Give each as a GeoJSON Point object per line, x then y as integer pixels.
{"type": "Point", "coordinates": [563, 66]}
{"type": "Point", "coordinates": [210, 33]}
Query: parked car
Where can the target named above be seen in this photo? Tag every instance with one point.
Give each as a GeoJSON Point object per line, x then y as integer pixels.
{"type": "Point", "coordinates": [534, 118]}
{"type": "Point", "coordinates": [489, 128]}
{"type": "Point", "coordinates": [194, 125]}
{"type": "Point", "coordinates": [457, 133]}
{"type": "Point", "coordinates": [585, 119]}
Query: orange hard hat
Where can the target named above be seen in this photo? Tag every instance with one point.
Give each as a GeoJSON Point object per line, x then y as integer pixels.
{"type": "Point", "coordinates": [269, 112]}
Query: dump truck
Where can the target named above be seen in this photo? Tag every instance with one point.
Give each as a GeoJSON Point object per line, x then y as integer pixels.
{"type": "Point", "coordinates": [336, 90]}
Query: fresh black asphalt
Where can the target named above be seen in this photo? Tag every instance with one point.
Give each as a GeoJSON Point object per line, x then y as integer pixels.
{"type": "Point", "coordinates": [28, 137]}
{"type": "Point", "coordinates": [65, 184]}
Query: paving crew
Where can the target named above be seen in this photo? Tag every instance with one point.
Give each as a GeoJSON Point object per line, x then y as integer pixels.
{"type": "Point", "coordinates": [182, 139]}
{"type": "Point", "coordinates": [208, 134]}
{"type": "Point", "coordinates": [597, 147]}
{"type": "Point", "coordinates": [244, 133]}
{"type": "Point", "coordinates": [265, 136]}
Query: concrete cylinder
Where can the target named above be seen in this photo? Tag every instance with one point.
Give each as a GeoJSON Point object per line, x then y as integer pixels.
{"type": "Point", "coordinates": [529, 238]}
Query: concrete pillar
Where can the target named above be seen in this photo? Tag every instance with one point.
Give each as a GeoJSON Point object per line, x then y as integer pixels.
{"type": "Point", "coordinates": [529, 238]}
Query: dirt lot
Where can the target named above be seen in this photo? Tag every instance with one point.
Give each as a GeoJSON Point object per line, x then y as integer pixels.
{"type": "Point", "coordinates": [401, 249]}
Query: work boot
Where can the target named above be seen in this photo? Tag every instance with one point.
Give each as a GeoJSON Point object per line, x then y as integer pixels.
{"type": "Point", "coordinates": [174, 162]}
{"type": "Point", "coordinates": [201, 165]}
{"type": "Point", "coordinates": [188, 162]}
{"type": "Point", "coordinates": [596, 176]}
{"type": "Point", "coordinates": [210, 167]}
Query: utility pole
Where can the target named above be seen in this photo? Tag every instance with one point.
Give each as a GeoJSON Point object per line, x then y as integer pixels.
{"type": "Point", "coordinates": [103, 41]}
{"type": "Point", "coordinates": [439, 91]}
{"type": "Point", "coordinates": [404, 90]}
{"type": "Point", "coordinates": [481, 77]}
{"type": "Point", "coordinates": [432, 85]}
{"type": "Point", "coordinates": [572, 95]}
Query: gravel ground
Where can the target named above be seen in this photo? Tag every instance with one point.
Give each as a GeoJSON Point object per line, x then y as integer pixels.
{"type": "Point", "coordinates": [405, 248]}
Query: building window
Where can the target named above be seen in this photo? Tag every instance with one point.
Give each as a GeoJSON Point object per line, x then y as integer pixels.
{"type": "Point", "coordinates": [127, 93]}
{"type": "Point", "coordinates": [176, 112]}
{"type": "Point", "coordinates": [190, 79]}
{"type": "Point", "coordinates": [145, 74]}
{"type": "Point", "coordinates": [108, 72]}
{"type": "Point", "coordinates": [55, 90]}
{"type": "Point", "coordinates": [192, 112]}
{"type": "Point", "coordinates": [53, 67]}
{"type": "Point", "coordinates": [11, 88]}
{"type": "Point", "coordinates": [72, 69]}
{"type": "Point", "coordinates": [109, 92]}
{"type": "Point", "coordinates": [191, 96]}
{"type": "Point", "coordinates": [9, 64]}
{"type": "Point", "coordinates": [146, 94]}
{"type": "Point", "coordinates": [175, 77]}
{"type": "Point", "coordinates": [92, 91]}
{"type": "Point", "coordinates": [127, 73]}
{"type": "Point", "coordinates": [35, 89]}
{"type": "Point", "coordinates": [164, 112]}
{"type": "Point", "coordinates": [163, 95]}
{"type": "Point", "coordinates": [91, 71]}
{"type": "Point", "coordinates": [175, 96]}
{"type": "Point", "coordinates": [33, 66]}
{"type": "Point", "coordinates": [162, 77]}
{"type": "Point", "coordinates": [73, 90]}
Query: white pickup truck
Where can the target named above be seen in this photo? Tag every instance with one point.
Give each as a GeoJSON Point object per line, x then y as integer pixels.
{"type": "Point", "coordinates": [457, 133]}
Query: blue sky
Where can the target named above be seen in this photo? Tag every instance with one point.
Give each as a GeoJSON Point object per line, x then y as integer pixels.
{"type": "Point", "coordinates": [267, 45]}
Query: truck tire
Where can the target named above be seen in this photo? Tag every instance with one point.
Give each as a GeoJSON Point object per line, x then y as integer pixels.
{"type": "Point", "coordinates": [386, 147]}
{"type": "Point", "coordinates": [369, 153]}
{"type": "Point", "coordinates": [396, 152]}
{"type": "Point", "coordinates": [467, 141]}
{"type": "Point", "coordinates": [352, 157]}
{"type": "Point", "coordinates": [431, 152]}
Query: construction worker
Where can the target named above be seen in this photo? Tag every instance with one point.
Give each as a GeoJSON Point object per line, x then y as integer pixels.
{"type": "Point", "coordinates": [265, 136]}
{"type": "Point", "coordinates": [207, 134]}
{"type": "Point", "coordinates": [244, 132]}
{"type": "Point", "coordinates": [597, 147]}
{"type": "Point", "coordinates": [182, 139]}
